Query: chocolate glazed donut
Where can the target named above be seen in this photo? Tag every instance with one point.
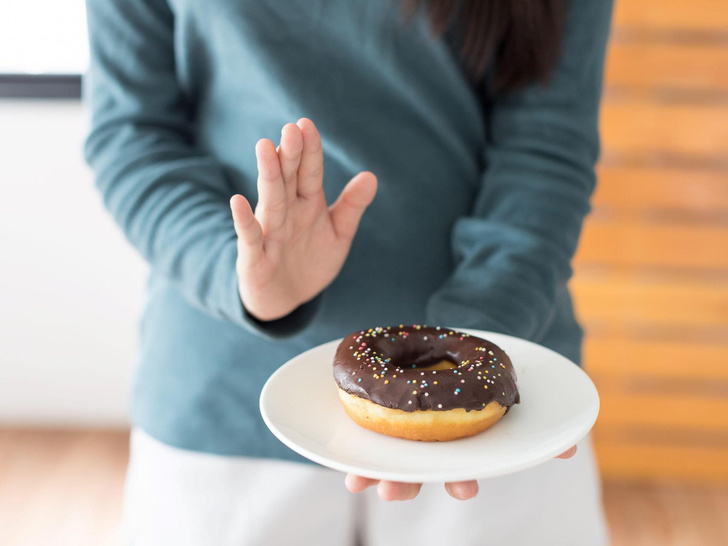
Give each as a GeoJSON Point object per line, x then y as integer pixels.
{"type": "Point", "coordinates": [393, 380]}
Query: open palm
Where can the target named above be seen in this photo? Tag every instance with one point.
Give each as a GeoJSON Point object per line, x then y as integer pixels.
{"type": "Point", "coordinates": [294, 244]}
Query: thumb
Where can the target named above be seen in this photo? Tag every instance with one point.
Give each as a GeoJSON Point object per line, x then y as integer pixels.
{"type": "Point", "coordinates": [347, 211]}
{"type": "Point", "coordinates": [250, 234]}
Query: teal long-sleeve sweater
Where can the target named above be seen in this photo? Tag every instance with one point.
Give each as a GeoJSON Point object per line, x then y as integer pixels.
{"type": "Point", "coordinates": [480, 203]}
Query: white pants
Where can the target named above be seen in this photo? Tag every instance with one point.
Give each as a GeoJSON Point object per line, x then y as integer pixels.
{"type": "Point", "coordinates": [183, 498]}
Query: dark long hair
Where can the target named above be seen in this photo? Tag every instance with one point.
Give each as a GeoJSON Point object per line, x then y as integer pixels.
{"type": "Point", "coordinates": [522, 37]}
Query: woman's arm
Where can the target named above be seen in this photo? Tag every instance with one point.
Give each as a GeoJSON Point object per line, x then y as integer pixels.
{"type": "Point", "coordinates": [515, 249]}
{"type": "Point", "coordinates": [169, 198]}
{"type": "Point", "coordinates": [173, 201]}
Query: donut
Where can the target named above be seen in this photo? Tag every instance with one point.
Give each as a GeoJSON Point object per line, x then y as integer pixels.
{"type": "Point", "coordinates": [423, 383]}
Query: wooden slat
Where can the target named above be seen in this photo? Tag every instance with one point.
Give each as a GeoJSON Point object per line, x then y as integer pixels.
{"type": "Point", "coordinates": [664, 66]}
{"type": "Point", "coordinates": [615, 356]}
{"type": "Point", "coordinates": [655, 302]}
{"type": "Point", "coordinates": [652, 258]}
{"type": "Point", "coordinates": [706, 15]}
{"type": "Point", "coordinates": [638, 189]}
{"type": "Point", "coordinates": [671, 411]}
{"type": "Point", "coordinates": [639, 127]}
{"type": "Point", "coordinates": [654, 245]}
{"type": "Point", "coordinates": [624, 460]}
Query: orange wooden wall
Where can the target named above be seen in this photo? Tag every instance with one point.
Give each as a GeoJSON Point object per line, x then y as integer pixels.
{"type": "Point", "coordinates": [651, 274]}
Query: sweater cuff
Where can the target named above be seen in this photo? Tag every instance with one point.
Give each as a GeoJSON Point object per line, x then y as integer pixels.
{"type": "Point", "coordinates": [290, 325]}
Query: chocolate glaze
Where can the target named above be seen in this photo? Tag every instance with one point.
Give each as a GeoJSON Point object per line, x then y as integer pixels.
{"type": "Point", "coordinates": [384, 365]}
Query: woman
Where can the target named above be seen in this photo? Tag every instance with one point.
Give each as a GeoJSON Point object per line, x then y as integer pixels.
{"type": "Point", "coordinates": [478, 118]}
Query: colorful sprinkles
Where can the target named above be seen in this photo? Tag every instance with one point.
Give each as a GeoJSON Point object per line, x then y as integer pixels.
{"type": "Point", "coordinates": [371, 361]}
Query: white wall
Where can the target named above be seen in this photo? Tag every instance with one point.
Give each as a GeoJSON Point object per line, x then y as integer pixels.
{"type": "Point", "coordinates": [71, 288]}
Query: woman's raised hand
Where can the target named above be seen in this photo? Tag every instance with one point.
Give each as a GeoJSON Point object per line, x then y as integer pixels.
{"type": "Point", "coordinates": [294, 245]}
{"type": "Point", "coordinates": [391, 491]}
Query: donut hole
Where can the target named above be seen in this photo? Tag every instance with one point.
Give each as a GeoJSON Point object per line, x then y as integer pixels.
{"type": "Point", "coordinates": [431, 358]}
{"type": "Point", "coordinates": [441, 365]}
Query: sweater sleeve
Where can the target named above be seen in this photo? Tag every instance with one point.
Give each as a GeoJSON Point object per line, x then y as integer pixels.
{"type": "Point", "coordinates": [170, 199]}
{"type": "Point", "coordinates": [514, 250]}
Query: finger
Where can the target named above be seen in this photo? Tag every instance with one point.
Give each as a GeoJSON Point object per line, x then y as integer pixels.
{"type": "Point", "coordinates": [311, 169]}
{"type": "Point", "coordinates": [393, 491]}
{"type": "Point", "coordinates": [347, 211]}
{"type": "Point", "coordinates": [462, 490]}
{"type": "Point", "coordinates": [250, 235]}
{"type": "Point", "coordinates": [357, 484]}
{"type": "Point", "coordinates": [271, 208]}
{"type": "Point", "coordinates": [568, 454]}
{"type": "Point", "coordinates": [289, 153]}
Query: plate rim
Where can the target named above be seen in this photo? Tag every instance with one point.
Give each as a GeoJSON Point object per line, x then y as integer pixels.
{"type": "Point", "coordinates": [423, 478]}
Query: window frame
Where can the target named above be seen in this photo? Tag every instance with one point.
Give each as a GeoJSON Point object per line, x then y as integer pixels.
{"type": "Point", "coordinates": [40, 86]}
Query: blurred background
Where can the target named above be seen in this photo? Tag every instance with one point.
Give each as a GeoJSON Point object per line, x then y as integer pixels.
{"type": "Point", "coordinates": [650, 284]}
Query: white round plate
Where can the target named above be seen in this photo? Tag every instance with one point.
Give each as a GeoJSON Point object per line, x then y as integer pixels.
{"type": "Point", "coordinates": [559, 405]}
